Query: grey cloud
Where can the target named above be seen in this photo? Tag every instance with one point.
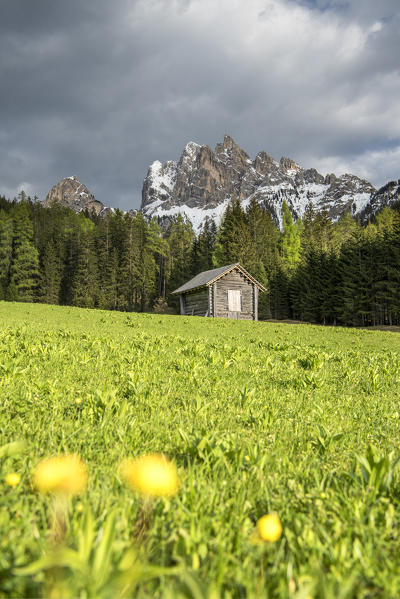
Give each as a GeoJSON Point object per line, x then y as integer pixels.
{"type": "Point", "coordinates": [102, 89]}
{"type": "Point", "coordinates": [360, 10]}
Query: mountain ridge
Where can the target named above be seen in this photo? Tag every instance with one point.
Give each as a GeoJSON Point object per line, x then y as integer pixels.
{"type": "Point", "coordinates": [203, 181]}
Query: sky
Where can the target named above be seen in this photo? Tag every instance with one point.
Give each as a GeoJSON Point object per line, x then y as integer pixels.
{"type": "Point", "coordinates": [101, 89]}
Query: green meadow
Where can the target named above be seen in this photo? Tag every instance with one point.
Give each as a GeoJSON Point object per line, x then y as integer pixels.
{"type": "Point", "coordinates": [298, 420]}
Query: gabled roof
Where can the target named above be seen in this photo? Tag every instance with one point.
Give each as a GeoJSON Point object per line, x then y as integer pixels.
{"type": "Point", "coordinates": [206, 278]}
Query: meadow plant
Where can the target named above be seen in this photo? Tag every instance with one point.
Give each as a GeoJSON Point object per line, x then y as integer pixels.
{"type": "Point", "coordinates": [12, 479]}
{"type": "Point", "coordinates": [288, 434]}
{"type": "Point", "coordinates": [151, 475]}
{"type": "Point", "coordinates": [269, 528]}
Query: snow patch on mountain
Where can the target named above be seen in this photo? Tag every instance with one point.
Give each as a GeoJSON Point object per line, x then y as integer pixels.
{"type": "Point", "coordinates": [163, 176]}
{"type": "Point", "coordinates": [195, 215]}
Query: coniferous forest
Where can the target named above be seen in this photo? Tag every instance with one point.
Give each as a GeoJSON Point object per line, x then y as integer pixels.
{"type": "Point", "coordinates": [317, 271]}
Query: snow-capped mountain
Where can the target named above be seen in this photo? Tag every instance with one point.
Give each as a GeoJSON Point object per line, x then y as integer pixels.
{"type": "Point", "coordinates": [203, 182]}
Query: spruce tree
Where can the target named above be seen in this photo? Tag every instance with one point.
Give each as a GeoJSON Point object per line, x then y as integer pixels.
{"type": "Point", "coordinates": [205, 245]}
{"type": "Point", "coordinates": [6, 238]}
{"type": "Point", "coordinates": [129, 266]}
{"type": "Point", "coordinates": [107, 260]}
{"type": "Point", "coordinates": [51, 275]}
{"type": "Point", "coordinates": [180, 238]}
{"type": "Point", "coordinates": [280, 294]}
{"type": "Point", "coordinates": [291, 240]}
{"type": "Point", "coordinates": [233, 241]}
{"type": "Point", "coordinates": [84, 289]}
{"type": "Point", "coordinates": [155, 250]}
{"type": "Point", "coordinates": [264, 256]}
{"type": "Point", "coordinates": [348, 283]}
{"type": "Point", "coordinates": [25, 271]}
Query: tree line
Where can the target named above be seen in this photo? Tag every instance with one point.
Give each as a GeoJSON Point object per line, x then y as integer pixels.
{"type": "Point", "coordinates": [314, 270]}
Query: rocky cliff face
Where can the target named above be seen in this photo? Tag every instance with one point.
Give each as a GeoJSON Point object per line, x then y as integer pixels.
{"type": "Point", "coordinates": [71, 193]}
{"type": "Point", "coordinates": [388, 195]}
{"type": "Point", "coordinates": [203, 182]}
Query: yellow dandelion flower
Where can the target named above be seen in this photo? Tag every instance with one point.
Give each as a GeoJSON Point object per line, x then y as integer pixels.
{"type": "Point", "coordinates": [269, 528]}
{"type": "Point", "coordinates": [152, 475]}
{"type": "Point", "coordinates": [64, 475]}
{"type": "Point", "coordinates": [12, 479]}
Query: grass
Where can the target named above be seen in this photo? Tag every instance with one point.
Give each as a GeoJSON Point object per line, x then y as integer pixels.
{"type": "Point", "coordinates": [258, 417]}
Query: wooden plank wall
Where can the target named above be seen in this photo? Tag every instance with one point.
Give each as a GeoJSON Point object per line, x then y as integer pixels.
{"type": "Point", "coordinates": [211, 299]}
{"type": "Point", "coordinates": [234, 280]}
{"type": "Point", "coordinates": [196, 303]}
{"type": "Point", "coordinates": [255, 301]}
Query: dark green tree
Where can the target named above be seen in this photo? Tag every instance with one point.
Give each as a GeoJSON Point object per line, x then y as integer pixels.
{"type": "Point", "coordinates": [51, 275]}
{"type": "Point", "coordinates": [84, 289]}
{"type": "Point", "coordinates": [6, 239]}
{"type": "Point", "coordinates": [180, 238]}
{"type": "Point", "coordinates": [203, 248]}
{"type": "Point", "coordinates": [233, 241]}
{"type": "Point", "coordinates": [107, 261]}
{"type": "Point", "coordinates": [24, 271]}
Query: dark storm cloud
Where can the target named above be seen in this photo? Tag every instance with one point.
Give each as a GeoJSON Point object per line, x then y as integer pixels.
{"type": "Point", "coordinates": [101, 89]}
{"type": "Point", "coordinates": [359, 10]}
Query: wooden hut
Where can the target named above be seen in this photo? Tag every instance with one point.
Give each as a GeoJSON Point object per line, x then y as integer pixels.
{"type": "Point", "coordinates": [226, 292]}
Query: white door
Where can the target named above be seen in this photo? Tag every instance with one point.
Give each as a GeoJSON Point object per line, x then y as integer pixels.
{"type": "Point", "coordinates": [234, 300]}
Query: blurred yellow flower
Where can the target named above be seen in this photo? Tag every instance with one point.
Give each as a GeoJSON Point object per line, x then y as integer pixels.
{"type": "Point", "coordinates": [152, 475]}
{"type": "Point", "coordinates": [64, 475]}
{"type": "Point", "coordinates": [12, 479]}
{"type": "Point", "coordinates": [269, 528]}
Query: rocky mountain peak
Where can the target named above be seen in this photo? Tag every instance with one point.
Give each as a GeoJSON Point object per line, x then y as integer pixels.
{"type": "Point", "coordinates": [203, 182]}
{"type": "Point", "coordinates": [71, 193]}
{"type": "Point", "coordinates": [264, 163]}
{"type": "Point", "coordinates": [289, 166]}
{"type": "Point", "coordinates": [190, 152]}
{"type": "Point", "coordinates": [230, 151]}
{"type": "Point", "coordinates": [229, 143]}
{"type": "Point", "coordinates": [330, 178]}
